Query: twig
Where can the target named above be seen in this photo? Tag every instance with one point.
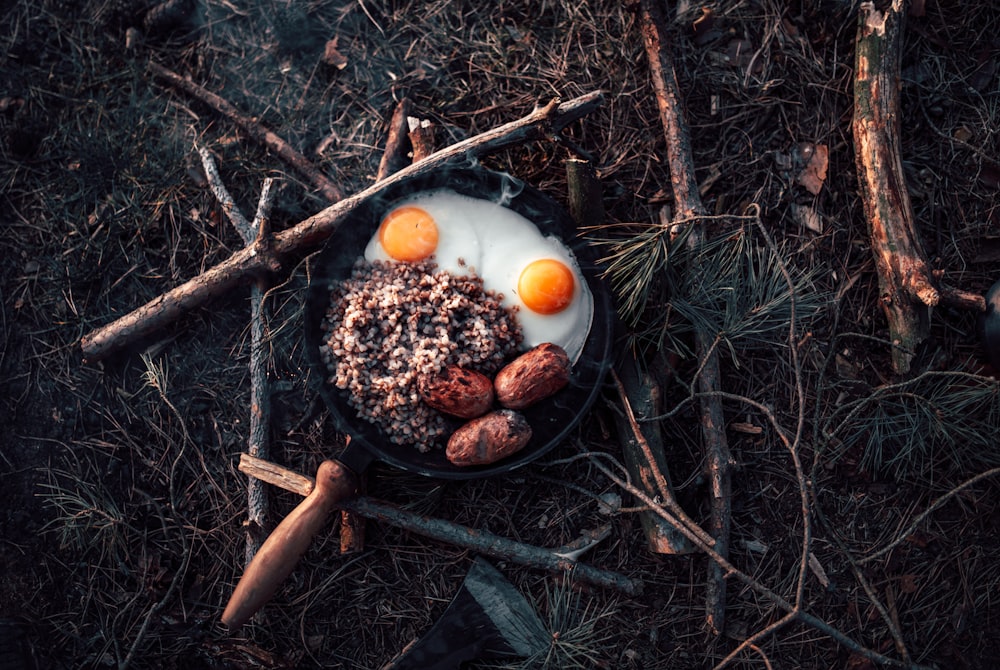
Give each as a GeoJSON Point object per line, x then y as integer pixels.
{"type": "Point", "coordinates": [305, 236]}
{"type": "Point", "coordinates": [221, 193]}
{"type": "Point", "coordinates": [688, 206]}
{"type": "Point", "coordinates": [253, 233]}
{"type": "Point", "coordinates": [927, 512]}
{"type": "Point", "coordinates": [637, 390]}
{"type": "Point", "coordinates": [648, 467]}
{"type": "Point", "coordinates": [175, 582]}
{"type": "Point", "coordinates": [731, 570]}
{"type": "Point", "coordinates": [258, 132]}
{"type": "Point", "coordinates": [446, 531]}
{"type": "Point", "coordinates": [260, 387]}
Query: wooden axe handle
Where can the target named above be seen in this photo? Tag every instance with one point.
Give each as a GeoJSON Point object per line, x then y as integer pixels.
{"type": "Point", "coordinates": [281, 551]}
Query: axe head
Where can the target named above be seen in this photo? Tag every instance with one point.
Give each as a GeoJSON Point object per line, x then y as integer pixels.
{"type": "Point", "coordinates": [488, 618]}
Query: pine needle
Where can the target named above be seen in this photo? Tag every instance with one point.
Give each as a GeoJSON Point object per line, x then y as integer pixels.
{"type": "Point", "coordinates": [935, 424]}
{"type": "Point", "coordinates": [737, 293]}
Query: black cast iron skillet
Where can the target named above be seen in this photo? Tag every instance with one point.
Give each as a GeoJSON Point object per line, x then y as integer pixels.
{"type": "Point", "coordinates": [551, 420]}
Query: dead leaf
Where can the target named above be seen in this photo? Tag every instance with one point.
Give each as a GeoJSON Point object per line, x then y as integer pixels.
{"type": "Point", "coordinates": [808, 218]}
{"type": "Point", "coordinates": [963, 134]}
{"type": "Point", "coordinates": [331, 56]}
{"type": "Point", "coordinates": [11, 104]}
{"type": "Point", "coordinates": [704, 27]}
{"type": "Point", "coordinates": [815, 159]}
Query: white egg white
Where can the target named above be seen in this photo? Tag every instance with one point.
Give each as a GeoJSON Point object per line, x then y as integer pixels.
{"type": "Point", "coordinates": [496, 243]}
{"type": "Point", "coordinates": [458, 248]}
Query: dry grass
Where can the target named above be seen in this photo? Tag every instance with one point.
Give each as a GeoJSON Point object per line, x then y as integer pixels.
{"type": "Point", "coordinates": [122, 506]}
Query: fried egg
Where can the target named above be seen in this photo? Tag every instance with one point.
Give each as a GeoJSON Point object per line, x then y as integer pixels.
{"type": "Point", "coordinates": [538, 276]}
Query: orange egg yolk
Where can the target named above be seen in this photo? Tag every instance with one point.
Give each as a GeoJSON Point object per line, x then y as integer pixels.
{"type": "Point", "coordinates": [546, 286]}
{"type": "Point", "coordinates": [408, 234]}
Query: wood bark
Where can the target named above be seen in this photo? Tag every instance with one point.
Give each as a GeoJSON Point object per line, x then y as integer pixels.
{"type": "Point", "coordinates": [908, 287]}
{"type": "Point", "coordinates": [395, 155]}
{"type": "Point", "coordinates": [689, 211]}
{"type": "Point", "coordinates": [447, 531]}
{"type": "Point", "coordinates": [542, 123]}
{"type": "Point", "coordinates": [906, 290]}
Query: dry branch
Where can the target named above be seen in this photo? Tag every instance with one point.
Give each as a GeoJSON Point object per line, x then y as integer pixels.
{"type": "Point", "coordinates": [448, 532]}
{"type": "Point", "coordinates": [541, 123]}
{"type": "Point", "coordinates": [907, 284]}
{"type": "Point", "coordinates": [260, 386]}
{"type": "Point", "coordinates": [689, 208]}
{"type": "Point", "coordinates": [258, 132]}
{"type": "Point", "coordinates": [421, 138]}
{"type": "Point", "coordinates": [252, 232]}
{"type": "Point", "coordinates": [794, 613]}
{"type": "Point", "coordinates": [637, 391]}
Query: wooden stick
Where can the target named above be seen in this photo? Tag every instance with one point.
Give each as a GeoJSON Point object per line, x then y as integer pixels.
{"type": "Point", "coordinates": [587, 209]}
{"type": "Point", "coordinates": [586, 204]}
{"type": "Point", "coordinates": [421, 138]}
{"type": "Point", "coordinates": [909, 290]}
{"type": "Point", "coordinates": [394, 156]}
{"type": "Point", "coordinates": [260, 386]}
{"type": "Point", "coordinates": [688, 207]}
{"type": "Point", "coordinates": [305, 236]}
{"type": "Point", "coordinates": [904, 273]}
{"type": "Point", "coordinates": [260, 401]}
{"type": "Point", "coordinates": [639, 393]}
{"type": "Point", "coordinates": [446, 531]}
{"type": "Point", "coordinates": [258, 132]}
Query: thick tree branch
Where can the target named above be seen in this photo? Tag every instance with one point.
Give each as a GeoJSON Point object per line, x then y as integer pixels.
{"type": "Point", "coordinates": [305, 236]}
{"type": "Point", "coordinates": [909, 290]}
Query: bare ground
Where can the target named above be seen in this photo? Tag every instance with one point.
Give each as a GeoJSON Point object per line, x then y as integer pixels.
{"type": "Point", "coordinates": [121, 503]}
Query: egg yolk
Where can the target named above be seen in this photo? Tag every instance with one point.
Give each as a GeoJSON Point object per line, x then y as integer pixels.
{"type": "Point", "coordinates": [408, 234]}
{"type": "Point", "coordinates": [546, 286]}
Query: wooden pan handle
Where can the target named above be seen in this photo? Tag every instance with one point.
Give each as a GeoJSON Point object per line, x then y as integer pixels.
{"type": "Point", "coordinates": [281, 551]}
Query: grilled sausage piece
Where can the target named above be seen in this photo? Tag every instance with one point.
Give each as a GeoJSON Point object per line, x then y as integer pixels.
{"type": "Point", "coordinates": [457, 391]}
{"type": "Point", "coordinates": [488, 438]}
{"type": "Point", "coordinates": [534, 375]}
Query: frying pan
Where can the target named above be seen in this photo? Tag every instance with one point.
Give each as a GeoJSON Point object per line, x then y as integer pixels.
{"type": "Point", "coordinates": [336, 480]}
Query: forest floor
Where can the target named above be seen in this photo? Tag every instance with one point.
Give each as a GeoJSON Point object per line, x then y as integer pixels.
{"type": "Point", "coordinates": [121, 507]}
